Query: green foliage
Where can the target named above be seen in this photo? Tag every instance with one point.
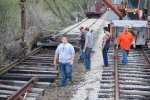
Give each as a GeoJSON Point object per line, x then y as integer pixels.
{"type": "Point", "coordinates": [53, 26]}
{"type": "Point", "coordinates": [2, 58]}
{"type": "Point", "coordinates": [9, 16]}
{"type": "Point", "coordinates": [66, 8]}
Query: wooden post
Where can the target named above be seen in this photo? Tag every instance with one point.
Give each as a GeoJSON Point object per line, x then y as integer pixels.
{"type": "Point", "coordinates": [148, 35]}
{"type": "Point", "coordinates": [148, 12]}
{"type": "Point", "coordinates": [23, 18]}
{"type": "Point", "coordinates": [23, 49]}
{"type": "Point", "coordinates": [148, 9]}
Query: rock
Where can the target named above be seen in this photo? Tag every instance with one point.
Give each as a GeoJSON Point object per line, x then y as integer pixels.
{"type": "Point", "coordinates": [12, 49]}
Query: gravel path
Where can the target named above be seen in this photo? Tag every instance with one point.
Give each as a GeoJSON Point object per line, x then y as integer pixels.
{"type": "Point", "coordinates": [65, 93]}
{"type": "Point", "coordinates": [88, 90]}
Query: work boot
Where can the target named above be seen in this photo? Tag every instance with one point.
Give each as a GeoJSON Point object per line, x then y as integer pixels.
{"type": "Point", "coordinates": [104, 65]}
{"type": "Point", "coordinates": [71, 82]}
{"type": "Point", "coordinates": [80, 61]}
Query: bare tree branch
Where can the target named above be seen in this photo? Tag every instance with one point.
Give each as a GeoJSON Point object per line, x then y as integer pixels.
{"type": "Point", "coordinates": [51, 8]}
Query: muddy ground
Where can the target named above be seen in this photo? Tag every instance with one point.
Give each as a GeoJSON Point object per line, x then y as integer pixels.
{"type": "Point", "coordinates": [65, 93]}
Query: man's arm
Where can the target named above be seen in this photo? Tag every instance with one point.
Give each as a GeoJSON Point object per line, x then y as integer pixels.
{"type": "Point", "coordinates": [72, 58]}
{"type": "Point", "coordinates": [55, 61]}
{"type": "Point", "coordinates": [72, 55]}
{"type": "Point", "coordinates": [55, 58]}
{"type": "Point", "coordinates": [86, 41]}
{"type": "Point", "coordinates": [133, 42]}
{"type": "Point", "coordinates": [118, 42]}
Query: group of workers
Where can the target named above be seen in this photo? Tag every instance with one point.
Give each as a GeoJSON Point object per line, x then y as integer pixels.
{"type": "Point", "coordinates": [124, 41]}
{"type": "Point", "coordinates": [86, 45]}
{"type": "Point", "coordinates": [65, 53]}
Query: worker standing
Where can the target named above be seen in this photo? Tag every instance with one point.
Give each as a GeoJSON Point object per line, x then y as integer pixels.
{"type": "Point", "coordinates": [125, 40]}
{"type": "Point", "coordinates": [88, 49]}
{"type": "Point", "coordinates": [106, 45]}
{"type": "Point", "coordinates": [82, 43]}
{"type": "Point", "coordinates": [65, 54]}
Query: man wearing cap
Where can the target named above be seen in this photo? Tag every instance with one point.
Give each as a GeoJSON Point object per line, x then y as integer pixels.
{"type": "Point", "coordinates": [82, 42]}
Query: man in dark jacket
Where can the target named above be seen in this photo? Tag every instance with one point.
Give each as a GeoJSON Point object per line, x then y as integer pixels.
{"type": "Point", "coordinates": [82, 42]}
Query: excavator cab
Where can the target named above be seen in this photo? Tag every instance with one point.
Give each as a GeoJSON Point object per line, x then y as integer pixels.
{"type": "Point", "coordinates": [135, 9]}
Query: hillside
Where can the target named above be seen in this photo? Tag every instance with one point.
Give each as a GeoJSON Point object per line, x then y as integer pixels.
{"type": "Point", "coordinates": [41, 16]}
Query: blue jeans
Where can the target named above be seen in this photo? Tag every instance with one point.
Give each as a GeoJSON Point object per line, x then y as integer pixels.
{"type": "Point", "coordinates": [125, 55]}
{"type": "Point", "coordinates": [87, 58]}
{"type": "Point", "coordinates": [105, 56]}
{"type": "Point", "coordinates": [66, 72]}
{"type": "Point", "coordinates": [81, 52]}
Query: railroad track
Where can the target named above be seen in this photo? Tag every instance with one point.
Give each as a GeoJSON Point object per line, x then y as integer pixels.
{"type": "Point", "coordinates": [39, 65]}
{"type": "Point", "coordinates": [108, 78]}
{"type": "Point", "coordinates": [29, 78]}
{"type": "Point", "coordinates": [74, 29]}
{"type": "Point", "coordinates": [130, 82]}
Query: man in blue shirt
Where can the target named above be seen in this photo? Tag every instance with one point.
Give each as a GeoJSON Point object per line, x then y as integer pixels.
{"type": "Point", "coordinates": [88, 48]}
{"type": "Point", "coordinates": [65, 54]}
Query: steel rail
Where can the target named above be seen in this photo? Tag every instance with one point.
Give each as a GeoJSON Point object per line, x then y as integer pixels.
{"type": "Point", "coordinates": [116, 71]}
{"type": "Point", "coordinates": [70, 29]}
{"type": "Point", "coordinates": [116, 75]}
{"type": "Point", "coordinates": [75, 26]}
{"type": "Point", "coordinates": [145, 55]}
{"type": "Point", "coordinates": [16, 62]}
{"type": "Point", "coordinates": [94, 22]}
{"type": "Point", "coordinates": [25, 88]}
{"type": "Point", "coordinates": [80, 24]}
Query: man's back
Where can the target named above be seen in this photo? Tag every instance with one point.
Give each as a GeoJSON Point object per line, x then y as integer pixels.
{"type": "Point", "coordinates": [89, 37]}
{"type": "Point", "coordinates": [107, 37]}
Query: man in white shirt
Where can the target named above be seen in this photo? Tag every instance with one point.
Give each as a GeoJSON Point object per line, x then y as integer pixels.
{"type": "Point", "coordinates": [65, 54]}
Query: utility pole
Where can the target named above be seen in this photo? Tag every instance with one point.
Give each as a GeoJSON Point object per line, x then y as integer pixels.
{"type": "Point", "coordinates": [148, 9]}
{"type": "Point", "coordinates": [23, 50]}
{"type": "Point", "coordinates": [148, 19]}
{"type": "Point", "coordinates": [23, 18]}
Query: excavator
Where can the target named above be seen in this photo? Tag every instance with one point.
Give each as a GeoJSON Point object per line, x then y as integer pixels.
{"type": "Point", "coordinates": [132, 9]}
